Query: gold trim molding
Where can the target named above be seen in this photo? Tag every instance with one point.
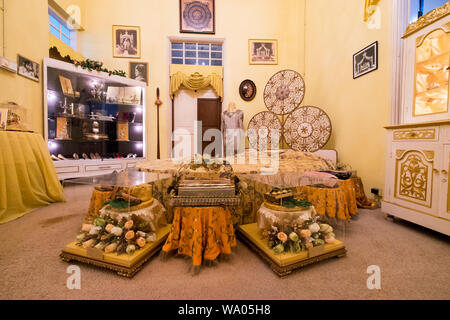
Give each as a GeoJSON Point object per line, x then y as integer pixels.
{"type": "Point", "coordinates": [415, 134]}
{"type": "Point", "coordinates": [427, 19]}
{"type": "Point", "coordinates": [428, 154]}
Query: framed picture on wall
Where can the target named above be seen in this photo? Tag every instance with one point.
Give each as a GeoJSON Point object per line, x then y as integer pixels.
{"type": "Point", "coordinates": [365, 61]}
{"type": "Point", "coordinates": [263, 51]}
{"type": "Point", "coordinates": [139, 71]}
{"type": "Point", "coordinates": [28, 69]}
{"type": "Point", "coordinates": [126, 42]}
{"type": "Point", "coordinates": [197, 16]}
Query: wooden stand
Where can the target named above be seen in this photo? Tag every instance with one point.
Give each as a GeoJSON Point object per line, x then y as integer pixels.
{"type": "Point", "coordinates": [284, 264]}
{"type": "Point", "coordinates": [125, 265]}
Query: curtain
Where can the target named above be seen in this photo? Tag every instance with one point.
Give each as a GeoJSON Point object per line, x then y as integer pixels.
{"type": "Point", "coordinates": [196, 78]}
{"type": "Point", "coordinates": [64, 49]}
{"type": "Point", "coordinates": [370, 8]}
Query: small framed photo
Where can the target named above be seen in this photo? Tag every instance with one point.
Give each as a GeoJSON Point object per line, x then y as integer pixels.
{"type": "Point", "coordinates": [197, 16]}
{"type": "Point", "coordinates": [28, 69]}
{"type": "Point", "coordinates": [365, 61]}
{"type": "Point", "coordinates": [139, 71]}
{"type": "Point", "coordinates": [263, 51]}
{"type": "Point", "coordinates": [3, 118]}
{"type": "Point", "coordinates": [126, 42]}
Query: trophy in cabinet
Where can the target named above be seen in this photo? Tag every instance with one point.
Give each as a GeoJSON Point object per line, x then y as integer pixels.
{"type": "Point", "coordinates": [122, 126]}
{"type": "Point", "coordinates": [62, 129]}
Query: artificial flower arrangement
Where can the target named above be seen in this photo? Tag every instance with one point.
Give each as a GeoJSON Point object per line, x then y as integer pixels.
{"type": "Point", "coordinates": [110, 235]}
{"type": "Point", "coordinates": [296, 238]}
{"type": "Point", "coordinates": [98, 66]}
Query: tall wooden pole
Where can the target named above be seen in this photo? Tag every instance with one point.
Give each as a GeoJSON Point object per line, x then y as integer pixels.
{"type": "Point", "coordinates": [173, 123]}
{"type": "Point", "coordinates": [158, 103]}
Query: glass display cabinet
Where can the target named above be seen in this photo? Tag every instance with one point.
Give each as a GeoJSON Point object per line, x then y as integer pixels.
{"type": "Point", "coordinates": [95, 123]}
{"type": "Point", "coordinates": [418, 156]}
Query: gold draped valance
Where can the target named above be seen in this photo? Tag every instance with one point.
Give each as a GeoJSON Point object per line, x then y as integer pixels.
{"type": "Point", "coordinates": [64, 49]}
{"type": "Point", "coordinates": [370, 8]}
{"type": "Point", "coordinates": [196, 78]}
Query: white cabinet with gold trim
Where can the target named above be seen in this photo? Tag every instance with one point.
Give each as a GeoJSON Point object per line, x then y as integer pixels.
{"type": "Point", "coordinates": [418, 161]}
{"type": "Point", "coordinates": [418, 155]}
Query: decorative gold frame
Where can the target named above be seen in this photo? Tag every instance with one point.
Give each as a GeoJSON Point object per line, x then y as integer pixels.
{"type": "Point", "coordinates": [427, 19]}
{"type": "Point", "coordinates": [138, 41]}
{"type": "Point", "coordinates": [273, 41]}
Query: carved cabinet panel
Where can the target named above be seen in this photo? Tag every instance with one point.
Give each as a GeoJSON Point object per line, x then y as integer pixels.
{"type": "Point", "coordinates": [414, 174]}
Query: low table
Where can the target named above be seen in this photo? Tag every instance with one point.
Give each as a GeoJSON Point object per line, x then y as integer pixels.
{"type": "Point", "coordinates": [125, 265]}
{"type": "Point", "coordinates": [284, 264]}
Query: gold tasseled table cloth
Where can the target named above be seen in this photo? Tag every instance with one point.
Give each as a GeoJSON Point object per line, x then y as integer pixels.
{"type": "Point", "coordinates": [202, 233]}
{"type": "Point", "coordinates": [339, 202]}
{"type": "Point", "coordinates": [28, 177]}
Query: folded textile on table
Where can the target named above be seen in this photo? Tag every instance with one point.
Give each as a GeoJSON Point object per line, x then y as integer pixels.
{"type": "Point", "coordinates": [151, 211]}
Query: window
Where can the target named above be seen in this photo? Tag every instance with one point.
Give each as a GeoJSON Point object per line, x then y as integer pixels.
{"type": "Point", "coordinates": [197, 53]}
{"type": "Point", "coordinates": [422, 7]}
{"type": "Point", "coordinates": [58, 28]}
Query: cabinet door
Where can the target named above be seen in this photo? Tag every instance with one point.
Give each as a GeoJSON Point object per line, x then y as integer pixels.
{"type": "Point", "coordinates": [415, 176]}
{"type": "Point", "coordinates": [445, 184]}
{"type": "Point", "coordinates": [426, 90]}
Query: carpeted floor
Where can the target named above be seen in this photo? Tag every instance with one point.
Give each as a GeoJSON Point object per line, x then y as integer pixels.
{"type": "Point", "coordinates": [414, 262]}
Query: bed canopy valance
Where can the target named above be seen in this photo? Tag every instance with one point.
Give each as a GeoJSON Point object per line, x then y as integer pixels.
{"type": "Point", "coordinates": [195, 78]}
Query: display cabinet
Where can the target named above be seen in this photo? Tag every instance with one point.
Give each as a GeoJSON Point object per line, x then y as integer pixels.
{"type": "Point", "coordinates": [94, 122]}
{"type": "Point", "coordinates": [418, 155]}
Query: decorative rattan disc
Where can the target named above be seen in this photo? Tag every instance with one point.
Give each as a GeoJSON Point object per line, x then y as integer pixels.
{"type": "Point", "coordinates": [307, 129]}
{"type": "Point", "coordinates": [262, 128]}
{"type": "Point", "coordinates": [284, 92]}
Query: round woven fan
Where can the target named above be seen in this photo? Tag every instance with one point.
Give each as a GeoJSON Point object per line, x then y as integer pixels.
{"type": "Point", "coordinates": [307, 129]}
{"type": "Point", "coordinates": [284, 92]}
{"type": "Point", "coordinates": [262, 129]}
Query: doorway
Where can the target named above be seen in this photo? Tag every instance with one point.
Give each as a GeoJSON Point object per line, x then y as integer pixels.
{"type": "Point", "coordinates": [209, 112]}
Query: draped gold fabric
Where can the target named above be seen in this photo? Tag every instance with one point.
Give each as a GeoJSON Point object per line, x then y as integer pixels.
{"type": "Point", "coordinates": [28, 177]}
{"type": "Point", "coordinates": [370, 8]}
{"type": "Point", "coordinates": [196, 78]}
{"type": "Point", "coordinates": [64, 49]}
{"type": "Point", "coordinates": [337, 203]}
{"type": "Point", "coordinates": [201, 233]}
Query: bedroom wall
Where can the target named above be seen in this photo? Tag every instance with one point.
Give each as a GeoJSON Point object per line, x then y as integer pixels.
{"type": "Point", "coordinates": [358, 108]}
{"type": "Point", "coordinates": [236, 22]}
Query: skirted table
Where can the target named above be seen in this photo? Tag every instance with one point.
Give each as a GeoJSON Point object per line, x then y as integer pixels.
{"type": "Point", "coordinates": [202, 233]}
{"type": "Point", "coordinates": [339, 202]}
{"type": "Point", "coordinates": [28, 177]}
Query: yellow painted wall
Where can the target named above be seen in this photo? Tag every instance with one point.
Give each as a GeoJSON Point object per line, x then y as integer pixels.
{"type": "Point", "coordinates": [358, 108]}
{"type": "Point", "coordinates": [323, 52]}
{"type": "Point", "coordinates": [26, 24]}
{"type": "Point", "coordinates": [236, 21]}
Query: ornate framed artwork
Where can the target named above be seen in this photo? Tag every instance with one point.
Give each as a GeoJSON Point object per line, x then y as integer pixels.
{"type": "Point", "coordinates": [365, 61]}
{"type": "Point", "coordinates": [126, 42]}
{"type": "Point", "coordinates": [247, 90]}
{"type": "Point", "coordinates": [263, 51]}
{"type": "Point", "coordinates": [197, 16]}
{"type": "Point", "coordinates": [138, 71]}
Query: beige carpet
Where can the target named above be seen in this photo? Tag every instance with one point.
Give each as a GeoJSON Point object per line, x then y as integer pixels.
{"type": "Point", "coordinates": [414, 262]}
